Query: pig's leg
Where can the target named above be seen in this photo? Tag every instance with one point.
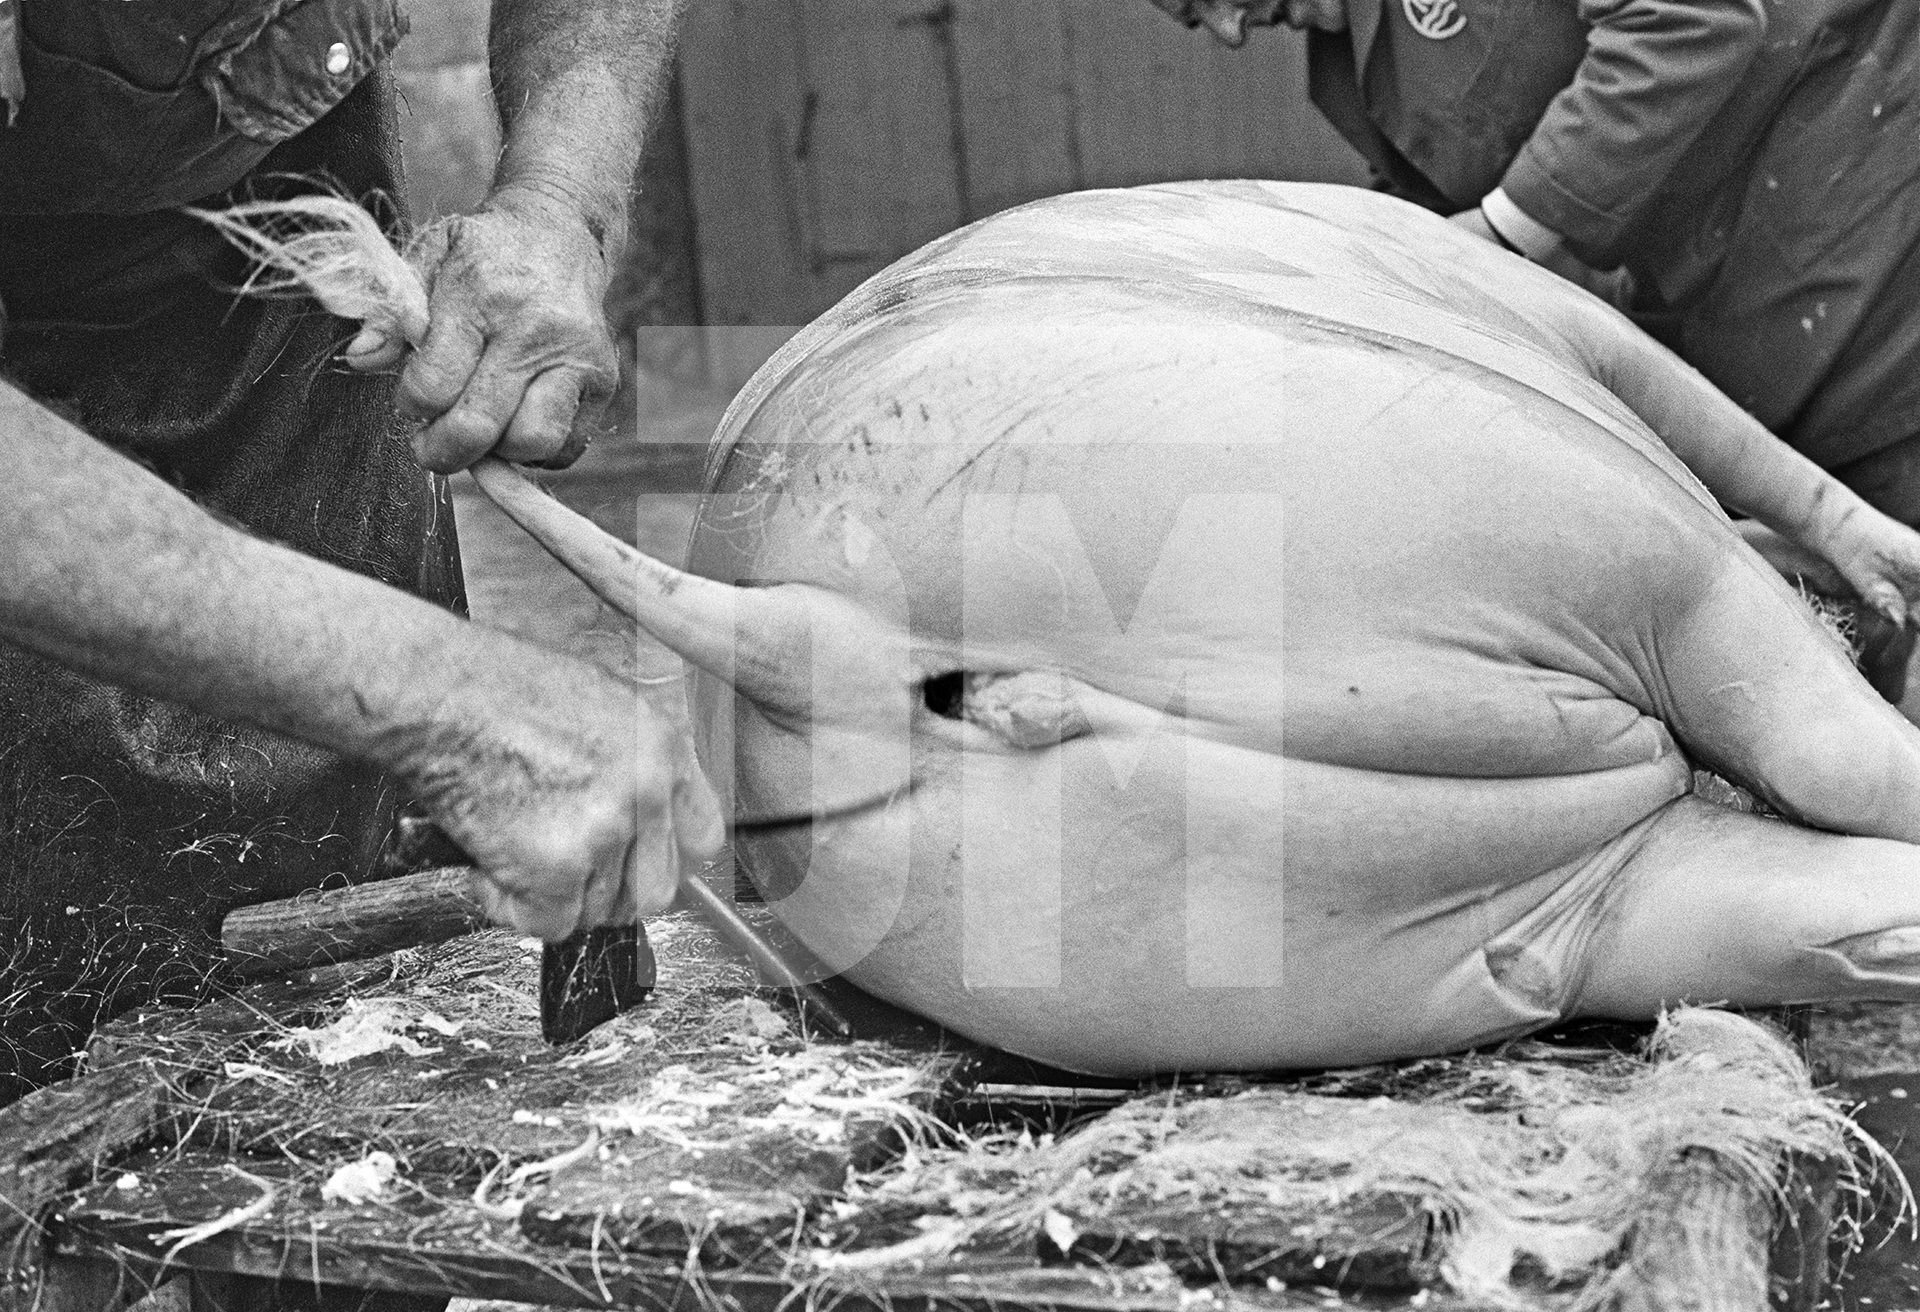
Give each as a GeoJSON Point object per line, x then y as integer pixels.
{"type": "Point", "coordinates": [1751, 686]}
{"type": "Point", "coordinates": [1716, 906]}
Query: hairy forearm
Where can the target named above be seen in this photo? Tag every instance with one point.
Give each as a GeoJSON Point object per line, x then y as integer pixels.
{"type": "Point", "coordinates": [115, 573]}
{"type": "Point", "coordinates": [579, 84]}
{"type": "Point", "coordinates": [578, 805]}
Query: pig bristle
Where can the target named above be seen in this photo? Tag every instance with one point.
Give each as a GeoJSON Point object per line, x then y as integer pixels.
{"type": "Point", "coordinates": [332, 249]}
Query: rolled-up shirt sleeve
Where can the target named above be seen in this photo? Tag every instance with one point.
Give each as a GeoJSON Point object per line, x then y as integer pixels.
{"type": "Point", "coordinates": [1654, 75]}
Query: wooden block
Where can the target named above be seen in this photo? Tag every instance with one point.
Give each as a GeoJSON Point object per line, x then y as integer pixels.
{"type": "Point", "coordinates": [347, 924]}
{"type": "Point", "coordinates": [440, 1244]}
{"type": "Point", "coordinates": [701, 1129]}
{"type": "Point", "coordinates": [733, 1205]}
{"type": "Point", "coordinates": [1378, 1242]}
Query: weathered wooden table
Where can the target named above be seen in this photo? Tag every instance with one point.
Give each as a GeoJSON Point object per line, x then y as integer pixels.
{"type": "Point", "coordinates": [699, 1152]}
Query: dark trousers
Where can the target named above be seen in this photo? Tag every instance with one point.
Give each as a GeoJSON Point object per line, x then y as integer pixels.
{"type": "Point", "coordinates": [128, 827]}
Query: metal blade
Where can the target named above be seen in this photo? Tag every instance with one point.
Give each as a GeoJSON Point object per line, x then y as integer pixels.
{"type": "Point", "coordinates": [592, 977]}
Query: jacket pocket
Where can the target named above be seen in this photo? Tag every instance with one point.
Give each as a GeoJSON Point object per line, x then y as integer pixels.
{"type": "Point", "coordinates": [90, 142]}
{"type": "Point", "coordinates": [274, 78]}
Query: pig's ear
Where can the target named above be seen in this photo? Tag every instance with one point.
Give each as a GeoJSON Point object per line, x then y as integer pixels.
{"type": "Point", "coordinates": [799, 653]}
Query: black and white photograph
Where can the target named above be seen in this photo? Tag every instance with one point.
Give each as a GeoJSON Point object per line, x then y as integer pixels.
{"type": "Point", "coordinates": [959, 655]}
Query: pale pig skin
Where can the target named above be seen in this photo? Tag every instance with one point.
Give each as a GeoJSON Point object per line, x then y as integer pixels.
{"type": "Point", "coordinates": [1340, 645]}
{"type": "Point", "coordinates": [1249, 625]}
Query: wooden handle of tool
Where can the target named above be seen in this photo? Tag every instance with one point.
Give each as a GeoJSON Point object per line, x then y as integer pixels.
{"type": "Point", "coordinates": [346, 924]}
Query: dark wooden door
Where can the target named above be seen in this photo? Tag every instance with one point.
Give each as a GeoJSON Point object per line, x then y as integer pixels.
{"type": "Point", "coordinates": [828, 137]}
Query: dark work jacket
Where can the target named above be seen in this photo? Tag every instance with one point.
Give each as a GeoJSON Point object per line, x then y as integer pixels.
{"type": "Point", "coordinates": [129, 827]}
{"type": "Point", "coordinates": [1755, 163]}
{"type": "Point", "coordinates": [139, 105]}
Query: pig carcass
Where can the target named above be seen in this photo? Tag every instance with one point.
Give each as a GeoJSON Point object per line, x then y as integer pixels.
{"type": "Point", "coordinates": [1247, 625]}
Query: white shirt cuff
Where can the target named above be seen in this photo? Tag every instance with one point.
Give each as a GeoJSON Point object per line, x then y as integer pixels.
{"type": "Point", "coordinates": [1523, 232]}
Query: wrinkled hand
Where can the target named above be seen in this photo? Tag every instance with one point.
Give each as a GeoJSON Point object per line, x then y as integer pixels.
{"type": "Point", "coordinates": [517, 359]}
{"type": "Point", "coordinates": [580, 805]}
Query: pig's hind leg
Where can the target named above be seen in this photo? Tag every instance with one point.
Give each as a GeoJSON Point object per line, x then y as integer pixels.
{"type": "Point", "coordinates": [1752, 686]}
{"type": "Point", "coordinates": [1717, 905]}
{"type": "Point", "coordinates": [1720, 906]}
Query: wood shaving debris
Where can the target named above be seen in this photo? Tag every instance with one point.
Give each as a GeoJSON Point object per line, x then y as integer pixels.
{"type": "Point", "coordinates": [558, 1162]}
{"type": "Point", "coordinates": [362, 1029]}
{"type": "Point", "coordinates": [246, 1070]}
{"type": "Point", "coordinates": [359, 1183]}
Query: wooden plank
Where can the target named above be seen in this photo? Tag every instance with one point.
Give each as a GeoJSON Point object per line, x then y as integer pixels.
{"type": "Point", "coordinates": [347, 924]}
{"type": "Point", "coordinates": [447, 1246]}
{"type": "Point", "coordinates": [746, 110]}
{"type": "Point", "coordinates": [1017, 99]}
{"type": "Point", "coordinates": [695, 1102]}
{"type": "Point", "coordinates": [1156, 103]}
{"type": "Point", "coordinates": [880, 139]}
{"type": "Point", "coordinates": [736, 1204]}
{"type": "Point", "coordinates": [746, 114]}
{"type": "Point", "coordinates": [700, 1141]}
{"type": "Point", "coordinates": [95, 1284]}
{"type": "Point", "coordinates": [436, 1241]}
{"type": "Point", "coordinates": [823, 140]}
{"type": "Point", "coordinates": [1377, 1243]}
{"type": "Point", "coordinates": [593, 1238]}
{"type": "Point", "coordinates": [827, 138]}
{"type": "Point", "coordinates": [138, 1066]}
